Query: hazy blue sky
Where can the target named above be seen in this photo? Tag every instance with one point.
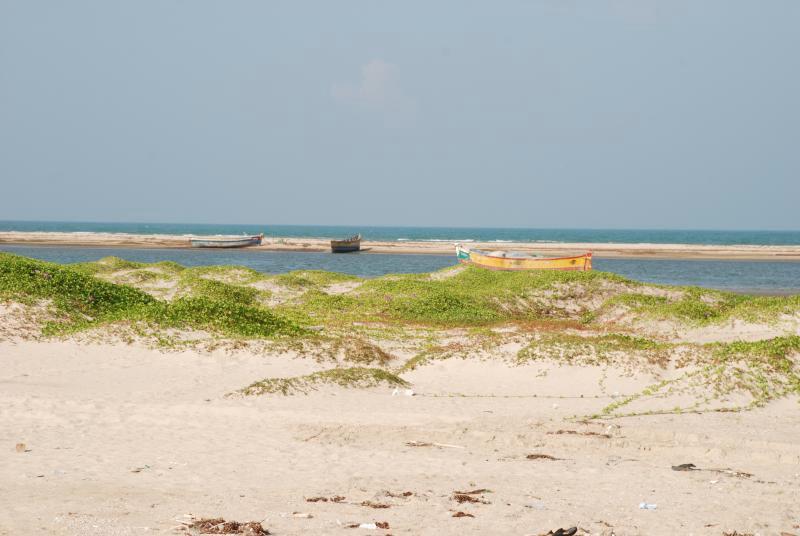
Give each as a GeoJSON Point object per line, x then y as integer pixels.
{"type": "Point", "coordinates": [562, 113]}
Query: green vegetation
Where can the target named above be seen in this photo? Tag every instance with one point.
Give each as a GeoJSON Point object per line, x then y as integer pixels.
{"type": "Point", "coordinates": [75, 294]}
{"type": "Point", "coordinates": [702, 306]}
{"type": "Point", "coordinates": [82, 301]}
{"type": "Point", "coordinates": [762, 370]}
{"type": "Point", "coordinates": [766, 369]}
{"type": "Point", "coordinates": [312, 279]}
{"type": "Point", "coordinates": [471, 297]}
{"type": "Point", "coordinates": [191, 283]}
{"type": "Point", "coordinates": [106, 265]}
{"type": "Point", "coordinates": [357, 350]}
{"type": "Point", "coordinates": [774, 353]}
{"type": "Point", "coordinates": [593, 349]}
{"type": "Point", "coordinates": [455, 312]}
{"type": "Point", "coordinates": [356, 377]}
{"type": "Point", "coordinates": [226, 317]}
{"type": "Point", "coordinates": [226, 274]}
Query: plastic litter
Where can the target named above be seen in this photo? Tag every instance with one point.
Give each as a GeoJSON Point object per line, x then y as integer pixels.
{"type": "Point", "coordinates": [647, 506]}
{"type": "Point", "coordinates": [536, 505]}
{"type": "Point", "coordinates": [406, 392]}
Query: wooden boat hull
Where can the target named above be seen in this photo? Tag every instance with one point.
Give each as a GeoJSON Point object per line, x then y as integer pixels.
{"type": "Point", "coordinates": [228, 242]}
{"type": "Point", "coordinates": [580, 263]}
{"type": "Point", "coordinates": [349, 245]}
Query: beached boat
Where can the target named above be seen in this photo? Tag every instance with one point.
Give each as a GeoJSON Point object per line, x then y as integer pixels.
{"type": "Point", "coordinates": [227, 241]}
{"type": "Point", "coordinates": [346, 245]}
{"type": "Point", "coordinates": [509, 260]}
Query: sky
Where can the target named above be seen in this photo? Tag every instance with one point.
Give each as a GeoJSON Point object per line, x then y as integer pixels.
{"type": "Point", "coordinates": [565, 113]}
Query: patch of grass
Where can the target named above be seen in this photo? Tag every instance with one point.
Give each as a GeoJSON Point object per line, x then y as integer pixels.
{"type": "Point", "coordinates": [225, 274]}
{"type": "Point", "coordinates": [471, 297]}
{"type": "Point", "coordinates": [595, 349]}
{"type": "Point", "coordinates": [106, 265]}
{"type": "Point", "coordinates": [142, 276]}
{"type": "Point", "coordinates": [775, 353]}
{"type": "Point", "coordinates": [356, 377]}
{"type": "Point", "coordinates": [312, 279]}
{"type": "Point", "coordinates": [766, 369]}
{"type": "Point", "coordinates": [85, 301]}
{"type": "Point", "coordinates": [169, 267]}
{"type": "Point", "coordinates": [73, 292]}
{"type": "Point", "coordinates": [763, 370]}
{"type": "Point", "coordinates": [699, 306]}
{"type": "Point", "coordinates": [357, 350]}
{"type": "Point", "coordinates": [197, 287]}
{"type": "Point", "coordinates": [226, 317]}
{"type": "Point", "coordinates": [435, 351]}
{"type": "Point", "coordinates": [442, 306]}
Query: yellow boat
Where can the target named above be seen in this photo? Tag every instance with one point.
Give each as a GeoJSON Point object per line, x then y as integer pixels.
{"type": "Point", "coordinates": [505, 260]}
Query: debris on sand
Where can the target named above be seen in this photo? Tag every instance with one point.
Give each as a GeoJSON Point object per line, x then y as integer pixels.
{"type": "Point", "coordinates": [685, 467]}
{"type": "Point", "coordinates": [402, 495]}
{"type": "Point", "coordinates": [469, 497]}
{"type": "Point", "coordinates": [20, 447]}
{"type": "Point", "coordinates": [563, 532]}
{"type": "Point", "coordinates": [376, 505]}
{"type": "Point", "coordinates": [479, 491]}
{"type": "Point", "coordinates": [731, 472]}
{"type": "Point", "coordinates": [302, 515]}
{"type": "Point", "coordinates": [541, 457]}
{"type": "Point", "coordinates": [575, 432]}
{"type": "Point", "coordinates": [462, 514]}
{"type": "Point", "coordinates": [428, 444]}
{"type": "Point", "coordinates": [693, 467]}
{"type": "Point", "coordinates": [220, 526]}
{"type": "Point", "coordinates": [333, 499]}
{"type": "Point", "coordinates": [369, 526]}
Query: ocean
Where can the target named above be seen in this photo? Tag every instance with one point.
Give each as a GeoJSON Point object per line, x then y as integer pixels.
{"type": "Point", "coordinates": [448, 234]}
{"type": "Point", "coordinates": [760, 277]}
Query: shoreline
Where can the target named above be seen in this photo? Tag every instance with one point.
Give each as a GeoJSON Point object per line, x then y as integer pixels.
{"type": "Point", "coordinates": [410, 247]}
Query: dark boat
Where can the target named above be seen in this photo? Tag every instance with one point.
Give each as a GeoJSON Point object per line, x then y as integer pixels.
{"type": "Point", "coordinates": [347, 245]}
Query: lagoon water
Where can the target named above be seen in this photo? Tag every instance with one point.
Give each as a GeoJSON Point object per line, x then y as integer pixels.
{"type": "Point", "coordinates": [480, 234]}
{"type": "Point", "coordinates": [746, 276]}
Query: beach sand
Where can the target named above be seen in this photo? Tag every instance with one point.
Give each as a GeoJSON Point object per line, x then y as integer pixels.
{"type": "Point", "coordinates": [569, 409]}
{"type": "Point", "coordinates": [125, 439]}
{"type": "Point", "coordinates": [655, 251]}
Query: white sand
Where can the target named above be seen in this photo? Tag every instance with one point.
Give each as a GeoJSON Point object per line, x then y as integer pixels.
{"type": "Point", "coordinates": [126, 440]}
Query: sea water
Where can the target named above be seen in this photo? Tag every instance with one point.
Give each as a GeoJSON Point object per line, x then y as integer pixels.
{"type": "Point", "coordinates": [433, 234]}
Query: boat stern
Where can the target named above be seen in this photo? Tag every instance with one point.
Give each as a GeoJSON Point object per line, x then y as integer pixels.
{"type": "Point", "coordinates": [462, 254]}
